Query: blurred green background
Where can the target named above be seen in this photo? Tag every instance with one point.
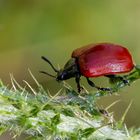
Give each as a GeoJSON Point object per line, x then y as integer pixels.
{"type": "Point", "coordinates": [32, 28]}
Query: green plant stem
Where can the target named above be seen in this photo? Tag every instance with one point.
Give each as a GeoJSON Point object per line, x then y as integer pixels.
{"type": "Point", "coordinates": [66, 115]}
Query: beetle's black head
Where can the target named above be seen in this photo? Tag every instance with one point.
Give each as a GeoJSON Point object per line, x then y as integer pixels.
{"type": "Point", "coordinates": [63, 74]}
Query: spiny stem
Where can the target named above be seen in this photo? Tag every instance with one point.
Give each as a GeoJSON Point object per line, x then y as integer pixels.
{"type": "Point", "coordinates": [66, 115]}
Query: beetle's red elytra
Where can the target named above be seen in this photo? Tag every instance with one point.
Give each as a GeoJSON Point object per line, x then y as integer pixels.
{"type": "Point", "coordinates": [103, 59]}
{"type": "Point", "coordinates": [94, 60]}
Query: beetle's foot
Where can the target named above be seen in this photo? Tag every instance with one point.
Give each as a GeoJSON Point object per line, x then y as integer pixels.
{"type": "Point", "coordinates": [104, 89]}
{"type": "Point", "coordinates": [110, 90]}
{"type": "Point", "coordinates": [81, 90]}
{"type": "Point", "coordinates": [104, 112]}
{"type": "Point", "coordinates": [125, 81]}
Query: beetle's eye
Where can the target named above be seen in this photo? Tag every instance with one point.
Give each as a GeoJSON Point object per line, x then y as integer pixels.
{"type": "Point", "coordinates": [63, 75]}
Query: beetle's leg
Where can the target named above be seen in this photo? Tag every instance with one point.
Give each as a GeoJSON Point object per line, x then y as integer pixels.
{"type": "Point", "coordinates": [99, 88]}
{"type": "Point", "coordinates": [113, 78]}
{"type": "Point", "coordinates": [77, 79]}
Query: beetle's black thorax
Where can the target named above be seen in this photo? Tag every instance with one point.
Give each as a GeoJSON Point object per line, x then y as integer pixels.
{"type": "Point", "coordinates": [70, 70]}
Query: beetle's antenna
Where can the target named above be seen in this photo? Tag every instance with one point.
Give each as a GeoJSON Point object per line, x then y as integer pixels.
{"type": "Point", "coordinates": [47, 74]}
{"type": "Point", "coordinates": [48, 61]}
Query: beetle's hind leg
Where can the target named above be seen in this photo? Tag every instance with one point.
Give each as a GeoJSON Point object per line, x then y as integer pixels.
{"type": "Point", "coordinates": [99, 88]}
{"type": "Point", "coordinates": [115, 78]}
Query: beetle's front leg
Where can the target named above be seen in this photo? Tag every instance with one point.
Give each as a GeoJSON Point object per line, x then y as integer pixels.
{"type": "Point", "coordinates": [77, 79]}
{"type": "Point", "coordinates": [99, 88]}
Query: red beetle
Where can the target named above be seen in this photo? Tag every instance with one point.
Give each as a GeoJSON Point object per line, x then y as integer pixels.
{"type": "Point", "coordinates": [103, 59]}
